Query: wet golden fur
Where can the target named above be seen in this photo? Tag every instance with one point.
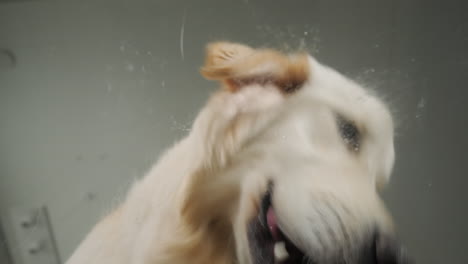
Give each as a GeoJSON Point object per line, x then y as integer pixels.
{"type": "Point", "coordinates": [273, 119]}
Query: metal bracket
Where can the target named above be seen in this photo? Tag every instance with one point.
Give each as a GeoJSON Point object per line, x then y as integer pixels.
{"type": "Point", "coordinates": [30, 236]}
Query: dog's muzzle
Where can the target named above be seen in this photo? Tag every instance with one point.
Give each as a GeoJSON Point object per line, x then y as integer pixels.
{"type": "Point", "coordinates": [269, 244]}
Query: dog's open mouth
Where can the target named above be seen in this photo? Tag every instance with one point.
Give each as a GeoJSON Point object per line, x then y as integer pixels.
{"type": "Point", "coordinates": [268, 243]}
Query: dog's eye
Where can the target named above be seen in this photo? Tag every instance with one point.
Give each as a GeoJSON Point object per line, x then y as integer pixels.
{"type": "Point", "coordinates": [350, 133]}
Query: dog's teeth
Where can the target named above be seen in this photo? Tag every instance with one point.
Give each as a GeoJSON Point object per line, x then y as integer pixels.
{"type": "Point", "coordinates": [281, 253]}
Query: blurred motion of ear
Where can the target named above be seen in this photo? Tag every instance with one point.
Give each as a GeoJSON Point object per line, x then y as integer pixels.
{"type": "Point", "coordinates": [237, 65]}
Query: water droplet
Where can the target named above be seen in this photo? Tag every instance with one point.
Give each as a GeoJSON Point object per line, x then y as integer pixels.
{"type": "Point", "coordinates": [421, 103]}
{"type": "Point", "coordinates": [89, 196]}
{"type": "Point", "coordinates": [103, 156]}
{"type": "Point", "coordinates": [109, 87]}
{"type": "Point", "coordinates": [130, 67]}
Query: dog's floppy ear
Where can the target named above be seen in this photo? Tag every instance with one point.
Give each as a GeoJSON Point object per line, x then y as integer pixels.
{"type": "Point", "coordinates": [237, 65]}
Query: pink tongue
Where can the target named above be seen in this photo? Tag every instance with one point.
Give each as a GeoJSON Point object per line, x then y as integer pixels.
{"type": "Point", "coordinates": [272, 224]}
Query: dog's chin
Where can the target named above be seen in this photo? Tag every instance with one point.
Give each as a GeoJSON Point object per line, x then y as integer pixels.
{"type": "Point", "coordinates": [268, 243]}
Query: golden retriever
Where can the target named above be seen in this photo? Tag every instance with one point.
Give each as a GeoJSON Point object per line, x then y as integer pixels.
{"type": "Point", "coordinates": [282, 165]}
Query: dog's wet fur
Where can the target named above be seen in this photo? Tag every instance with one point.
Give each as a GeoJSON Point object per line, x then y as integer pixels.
{"type": "Point", "coordinates": [286, 151]}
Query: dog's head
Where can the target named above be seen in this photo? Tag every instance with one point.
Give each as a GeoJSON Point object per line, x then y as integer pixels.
{"type": "Point", "coordinates": [293, 157]}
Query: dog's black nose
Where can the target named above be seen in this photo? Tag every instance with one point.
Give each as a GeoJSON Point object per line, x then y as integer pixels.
{"type": "Point", "coordinates": [385, 249]}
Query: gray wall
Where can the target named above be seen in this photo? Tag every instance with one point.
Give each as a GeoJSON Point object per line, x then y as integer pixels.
{"type": "Point", "coordinates": [102, 87]}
